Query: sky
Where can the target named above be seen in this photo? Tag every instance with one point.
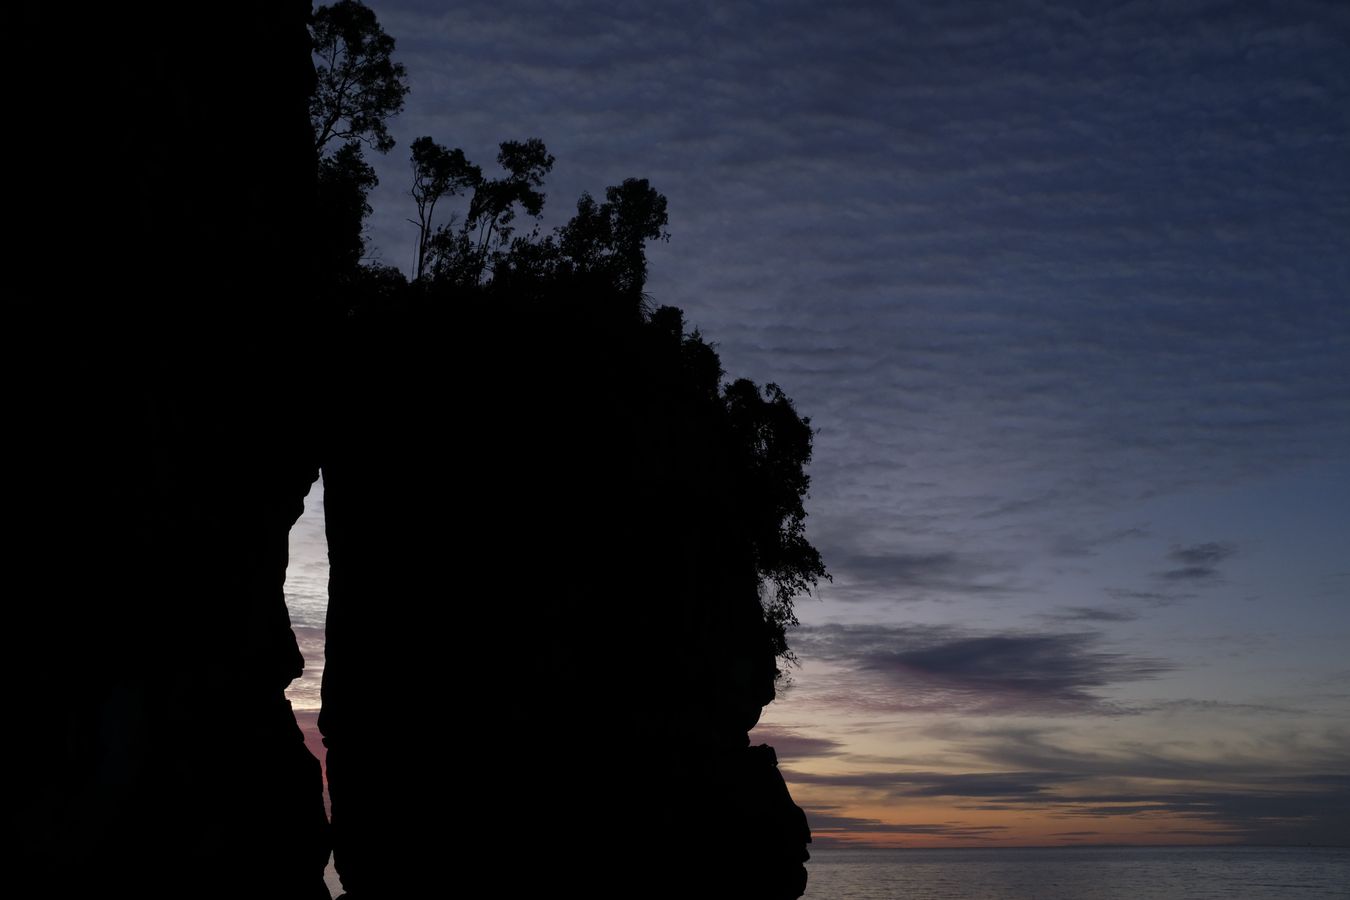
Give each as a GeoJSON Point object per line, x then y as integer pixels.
{"type": "Point", "coordinates": [1065, 289]}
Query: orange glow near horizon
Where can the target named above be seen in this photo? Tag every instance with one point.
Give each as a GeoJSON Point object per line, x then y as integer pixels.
{"type": "Point", "coordinates": [1048, 827]}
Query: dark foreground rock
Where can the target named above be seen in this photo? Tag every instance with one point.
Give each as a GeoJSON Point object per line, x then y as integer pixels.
{"type": "Point", "coordinates": [545, 644]}
{"type": "Point", "coordinates": [545, 627]}
{"type": "Point", "coordinates": [159, 307]}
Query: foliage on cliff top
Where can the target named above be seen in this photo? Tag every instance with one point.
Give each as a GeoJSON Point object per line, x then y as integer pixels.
{"type": "Point", "coordinates": [477, 254]}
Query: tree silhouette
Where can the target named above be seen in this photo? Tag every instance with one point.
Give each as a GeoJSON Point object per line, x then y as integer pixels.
{"type": "Point", "coordinates": [359, 87]}
{"type": "Point", "coordinates": [611, 237]}
{"type": "Point", "coordinates": [493, 206]}
{"type": "Point", "coordinates": [602, 249]}
{"type": "Point", "coordinates": [473, 245]}
{"type": "Point", "coordinates": [772, 444]}
{"type": "Point", "coordinates": [437, 173]}
{"type": "Point", "coordinates": [344, 183]}
{"type": "Point", "coordinates": [604, 242]}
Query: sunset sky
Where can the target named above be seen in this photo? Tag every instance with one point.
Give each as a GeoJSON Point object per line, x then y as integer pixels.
{"type": "Point", "coordinates": [1065, 288]}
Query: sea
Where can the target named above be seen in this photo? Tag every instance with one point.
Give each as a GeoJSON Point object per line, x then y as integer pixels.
{"type": "Point", "coordinates": [1073, 873]}
{"type": "Point", "coordinates": [1080, 873]}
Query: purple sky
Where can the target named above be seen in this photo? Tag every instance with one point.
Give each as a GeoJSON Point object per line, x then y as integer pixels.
{"type": "Point", "coordinates": [1065, 288]}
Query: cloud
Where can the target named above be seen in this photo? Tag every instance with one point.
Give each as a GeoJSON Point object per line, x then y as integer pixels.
{"type": "Point", "coordinates": [895, 784]}
{"type": "Point", "coordinates": [1093, 614]}
{"type": "Point", "coordinates": [1190, 573]}
{"type": "Point", "coordinates": [308, 722]}
{"type": "Point", "coordinates": [789, 744]}
{"type": "Point", "coordinates": [1202, 554]}
{"type": "Point", "coordinates": [826, 824]}
{"type": "Point", "coordinates": [1258, 756]}
{"type": "Point", "coordinates": [914, 576]}
{"type": "Point", "coordinates": [1152, 598]}
{"type": "Point", "coordinates": [304, 692]}
{"type": "Point", "coordinates": [951, 669]}
{"type": "Point", "coordinates": [1199, 562]}
{"type": "Point", "coordinates": [1235, 795]}
{"type": "Point", "coordinates": [1316, 812]}
{"type": "Point", "coordinates": [1190, 706]}
{"type": "Point", "coordinates": [1079, 546]}
{"type": "Point", "coordinates": [306, 587]}
{"type": "Point", "coordinates": [1199, 568]}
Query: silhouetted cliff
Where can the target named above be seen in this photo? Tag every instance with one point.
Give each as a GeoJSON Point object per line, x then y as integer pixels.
{"type": "Point", "coordinates": [163, 183]}
{"type": "Point", "coordinates": [540, 570]}
{"type": "Point", "coordinates": [545, 629]}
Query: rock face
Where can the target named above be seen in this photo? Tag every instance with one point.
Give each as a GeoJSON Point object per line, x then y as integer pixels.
{"type": "Point", "coordinates": [163, 175]}
{"type": "Point", "coordinates": [545, 636]}
{"type": "Point", "coordinates": [540, 577]}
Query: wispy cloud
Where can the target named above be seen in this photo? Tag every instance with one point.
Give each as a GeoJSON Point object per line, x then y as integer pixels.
{"type": "Point", "coordinates": [1199, 563]}
{"type": "Point", "coordinates": [790, 744]}
{"type": "Point", "coordinates": [938, 784]}
{"type": "Point", "coordinates": [304, 692]}
{"type": "Point", "coordinates": [1246, 795]}
{"type": "Point", "coordinates": [952, 669]}
{"type": "Point", "coordinates": [1082, 546]}
{"type": "Point", "coordinates": [1202, 554]}
{"type": "Point", "coordinates": [1193, 706]}
{"type": "Point", "coordinates": [1152, 598]}
{"type": "Point", "coordinates": [1263, 756]}
{"type": "Point", "coordinates": [827, 827]}
{"type": "Point", "coordinates": [1314, 810]}
{"type": "Point", "coordinates": [918, 576]}
{"type": "Point", "coordinates": [1093, 614]}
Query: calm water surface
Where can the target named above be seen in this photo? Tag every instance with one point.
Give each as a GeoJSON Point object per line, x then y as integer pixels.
{"type": "Point", "coordinates": [1073, 873]}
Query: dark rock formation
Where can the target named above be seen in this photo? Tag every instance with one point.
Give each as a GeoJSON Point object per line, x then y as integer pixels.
{"type": "Point", "coordinates": [161, 194]}
{"type": "Point", "coordinates": [544, 625]}
{"type": "Point", "coordinates": [544, 633]}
